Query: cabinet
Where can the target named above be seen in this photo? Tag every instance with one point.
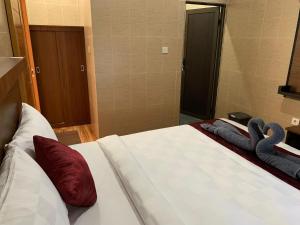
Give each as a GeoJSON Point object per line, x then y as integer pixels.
{"type": "Point", "coordinates": [59, 56]}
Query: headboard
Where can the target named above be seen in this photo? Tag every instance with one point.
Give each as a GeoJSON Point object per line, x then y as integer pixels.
{"type": "Point", "coordinates": [10, 99]}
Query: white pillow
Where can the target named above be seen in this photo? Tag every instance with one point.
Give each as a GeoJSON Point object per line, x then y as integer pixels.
{"type": "Point", "coordinates": [32, 123]}
{"type": "Point", "coordinates": [28, 196]}
{"type": "Point", "coordinates": [5, 172]}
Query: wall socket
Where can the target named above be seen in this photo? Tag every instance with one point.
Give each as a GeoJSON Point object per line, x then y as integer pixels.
{"type": "Point", "coordinates": [295, 121]}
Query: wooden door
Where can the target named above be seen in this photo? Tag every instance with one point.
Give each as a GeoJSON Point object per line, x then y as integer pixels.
{"type": "Point", "coordinates": [72, 63]}
{"type": "Point", "coordinates": [199, 78]}
{"type": "Point", "coordinates": [45, 55]}
{"type": "Point", "coordinates": [59, 56]}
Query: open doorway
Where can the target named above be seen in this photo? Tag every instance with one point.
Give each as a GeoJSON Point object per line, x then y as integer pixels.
{"type": "Point", "coordinates": [59, 78]}
{"type": "Point", "coordinates": [202, 52]}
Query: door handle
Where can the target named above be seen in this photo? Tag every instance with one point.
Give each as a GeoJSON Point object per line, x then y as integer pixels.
{"type": "Point", "coordinates": [37, 70]}
{"type": "Point", "coordinates": [82, 68]}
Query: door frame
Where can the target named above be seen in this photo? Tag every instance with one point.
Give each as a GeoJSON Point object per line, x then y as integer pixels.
{"type": "Point", "coordinates": [222, 8]}
{"type": "Point", "coordinates": [30, 55]}
{"type": "Point", "coordinates": [22, 11]}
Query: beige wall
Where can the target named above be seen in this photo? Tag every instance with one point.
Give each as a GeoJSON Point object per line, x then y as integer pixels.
{"type": "Point", "coordinates": [5, 43]}
{"type": "Point", "coordinates": [85, 11]}
{"type": "Point", "coordinates": [257, 47]}
{"type": "Point", "coordinates": [137, 86]}
{"type": "Point", "coordinates": [54, 12]}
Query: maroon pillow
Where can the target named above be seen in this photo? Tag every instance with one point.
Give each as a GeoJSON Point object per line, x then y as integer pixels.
{"type": "Point", "coordinates": [68, 171]}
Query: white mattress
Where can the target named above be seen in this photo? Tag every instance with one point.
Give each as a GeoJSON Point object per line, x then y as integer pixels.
{"type": "Point", "coordinates": [113, 206]}
{"type": "Point", "coordinates": [180, 176]}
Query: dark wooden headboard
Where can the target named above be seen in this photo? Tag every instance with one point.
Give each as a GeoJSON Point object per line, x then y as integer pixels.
{"type": "Point", "coordinates": [10, 99]}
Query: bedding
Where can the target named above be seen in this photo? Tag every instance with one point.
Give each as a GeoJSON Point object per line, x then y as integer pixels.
{"type": "Point", "coordinates": [6, 172]}
{"type": "Point", "coordinates": [28, 196]}
{"type": "Point", "coordinates": [32, 123]}
{"type": "Point", "coordinates": [113, 206]}
{"type": "Point", "coordinates": [252, 157]}
{"type": "Point", "coordinates": [179, 175]}
{"type": "Point", "coordinates": [171, 176]}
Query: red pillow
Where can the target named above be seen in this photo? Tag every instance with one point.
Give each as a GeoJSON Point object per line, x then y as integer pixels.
{"type": "Point", "coordinates": [68, 171]}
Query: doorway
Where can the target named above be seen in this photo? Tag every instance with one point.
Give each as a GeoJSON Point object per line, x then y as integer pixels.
{"type": "Point", "coordinates": [75, 92]}
{"type": "Point", "coordinates": [202, 52]}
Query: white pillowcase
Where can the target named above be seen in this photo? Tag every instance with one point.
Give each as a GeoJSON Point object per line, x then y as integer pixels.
{"type": "Point", "coordinates": [5, 173]}
{"type": "Point", "coordinates": [32, 123]}
{"type": "Point", "coordinates": [28, 196]}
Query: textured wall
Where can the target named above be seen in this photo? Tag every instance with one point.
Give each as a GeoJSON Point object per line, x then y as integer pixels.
{"type": "Point", "coordinates": [85, 11]}
{"type": "Point", "coordinates": [257, 47]}
{"type": "Point", "coordinates": [5, 43]}
{"type": "Point", "coordinates": [137, 86]}
{"type": "Point", "coordinates": [54, 12]}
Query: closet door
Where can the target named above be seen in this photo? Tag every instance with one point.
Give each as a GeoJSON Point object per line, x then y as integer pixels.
{"type": "Point", "coordinates": [72, 63]}
{"type": "Point", "coordinates": [48, 75]}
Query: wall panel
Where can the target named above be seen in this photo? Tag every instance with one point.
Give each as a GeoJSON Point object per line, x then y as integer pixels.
{"type": "Point", "coordinates": [258, 42]}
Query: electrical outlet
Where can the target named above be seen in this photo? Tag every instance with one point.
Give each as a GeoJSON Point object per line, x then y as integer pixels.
{"type": "Point", "coordinates": [295, 121]}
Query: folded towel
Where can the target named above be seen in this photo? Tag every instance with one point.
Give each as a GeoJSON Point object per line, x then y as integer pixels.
{"type": "Point", "coordinates": [234, 136]}
{"type": "Point", "coordinates": [265, 151]}
{"type": "Point", "coordinates": [219, 125]}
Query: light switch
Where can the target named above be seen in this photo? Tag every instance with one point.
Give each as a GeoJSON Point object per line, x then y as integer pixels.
{"type": "Point", "coordinates": [165, 50]}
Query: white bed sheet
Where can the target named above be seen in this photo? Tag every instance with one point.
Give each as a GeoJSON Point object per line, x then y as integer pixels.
{"type": "Point", "coordinates": [179, 176]}
{"type": "Point", "coordinates": [112, 207]}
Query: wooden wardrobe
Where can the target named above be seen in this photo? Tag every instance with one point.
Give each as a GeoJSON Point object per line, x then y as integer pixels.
{"type": "Point", "coordinates": [60, 63]}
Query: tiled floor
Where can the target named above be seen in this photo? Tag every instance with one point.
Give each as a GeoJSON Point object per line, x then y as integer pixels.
{"type": "Point", "coordinates": [84, 131]}
{"type": "Point", "coordinates": [186, 119]}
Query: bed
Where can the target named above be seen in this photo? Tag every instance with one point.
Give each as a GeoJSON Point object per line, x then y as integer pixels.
{"type": "Point", "coordinates": [173, 176]}
{"type": "Point", "coordinates": [114, 206]}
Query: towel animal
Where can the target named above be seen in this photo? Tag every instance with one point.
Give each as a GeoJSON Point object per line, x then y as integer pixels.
{"type": "Point", "coordinates": [234, 136]}
{"type": "Point", "coordinates": [265, 151]}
